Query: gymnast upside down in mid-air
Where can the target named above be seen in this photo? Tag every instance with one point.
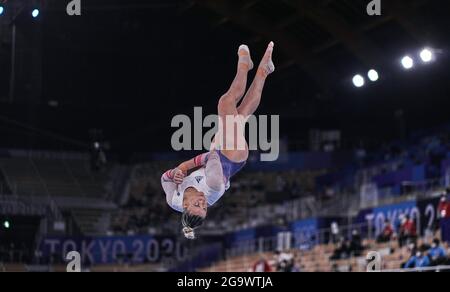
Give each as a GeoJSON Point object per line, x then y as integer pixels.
{"type": "Point", "coordinates": [192, 194]}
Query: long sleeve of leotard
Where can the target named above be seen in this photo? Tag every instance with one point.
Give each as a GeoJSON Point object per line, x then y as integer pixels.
{"type": "Point", "coordinates": [168, 185]}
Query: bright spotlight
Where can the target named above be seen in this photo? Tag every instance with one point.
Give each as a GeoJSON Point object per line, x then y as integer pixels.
{"type": "Point", "coordinates": [35, 13]}
{"type": "Point", "coordinates": [426, 55]}
{"type": "Point", "coordinates": [373, 75]}
{"type": "Point", "coordinates": [6, 224]}
{"type": "Point", "coordinates": [407, 62]}
{"type": "Point", "coordinates": [358, 81]}
{"type": "Point", "coordinates": [2, 9]}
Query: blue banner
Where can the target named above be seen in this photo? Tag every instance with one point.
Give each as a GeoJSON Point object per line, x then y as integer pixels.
{"type": "Point", "coordinates": [423, 212]}
{"type": "Point", "coordinates": [392, 212]}
{"type": "Point", "coordinates": [428, 210]}
{"type": "Point", "coordinates": [413, 173]}
{"type": "Point", "coordinates": [114, 249]}
{"type": "Point", "coordinates": [242, 236]}
{"type": "Point", "coordinates": [445, 166]}
{"type": "Point", "coordinates": [305, 233]}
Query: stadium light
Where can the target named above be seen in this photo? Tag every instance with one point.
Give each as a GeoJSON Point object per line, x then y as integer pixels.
{"type": "Point", "coordinates": [35, 13]}
{"type": "Point", "coordinates": [358, 81]}
{"type": "Point", "coordinates": [407, 62]}
{"type": "Point", "coordinates": [2, 9]}
{"type": "Point", "coordinates": [373, 75]}
{"type": "Point", "coordinates": [426, 55]}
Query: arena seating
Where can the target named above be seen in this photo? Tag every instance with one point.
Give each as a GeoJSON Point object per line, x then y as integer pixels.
{"type": "Point", "coordinates": [146, 206]}
{"type": "Point", "coordinates": [145, 209]}
{"type": "Point", "coordinates": [318, 259]}
{"type": "Point", "coordinates": [66, 182]}
{"type": "Point", "coordinates": [53, 177]}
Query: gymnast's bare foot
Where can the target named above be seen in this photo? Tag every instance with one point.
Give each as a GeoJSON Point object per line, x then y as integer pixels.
{"type": "Point", "coordinates": [245, 59]}
{"type": "Point", "coordinates": [266, 67]}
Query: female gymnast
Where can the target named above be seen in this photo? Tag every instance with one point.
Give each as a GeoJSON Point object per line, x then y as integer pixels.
{"type": "Point", "coordinates": [192, 194]}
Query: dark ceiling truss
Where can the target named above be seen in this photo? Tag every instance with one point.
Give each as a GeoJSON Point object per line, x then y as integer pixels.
{"type": "Point", "coordinates": [406, 14]}
{"type": "Point", "coordinates": [341, 31]}
{"type": "Point", "coordinates": [308, 28]}
{"type": "Point", "coordinates": [241, 15]}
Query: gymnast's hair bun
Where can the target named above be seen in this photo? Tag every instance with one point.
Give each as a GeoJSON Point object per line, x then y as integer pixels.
{"type": "Point", "coordinates": [189, 233]}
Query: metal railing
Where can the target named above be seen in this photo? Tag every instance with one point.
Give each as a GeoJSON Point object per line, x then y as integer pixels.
{"type": "Point", "coordinates": [343, 204]}
{"type": "Point", "coordinates": [15, 205]}
{"type": "Point", "coordinates": [303, 240]}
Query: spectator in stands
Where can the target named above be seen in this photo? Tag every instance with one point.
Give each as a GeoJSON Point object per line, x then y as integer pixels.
{"type": "Point", "coordinates": [342, 251]}
{"type": "Point", "coordinates": [262, 266]}
{"type": "Point", "coordinates": [443, 210]}
{"type": "Point", "coordinates": [284, 262]}
{"type": "Point", "coordinates": [334, 232]}
{"type": "Point", "coordinates": [356, 247]}
{"type": "Point", "coordinates": [437, 253]}
{"type": "Point", "coordinates": [297, 266]}
{"type": "Point", "coordinates": [420, 260]}
{"type": "Point", "coordinates": [398, 222]}
{"type": "Point", "coordinates": [412, 249]}
{"type": "Point", "coordinates": [444, 206]}
{"type": "Point", "coordinates": [408, 232]}
{"type": "Point", "coordinates": [387, 233]}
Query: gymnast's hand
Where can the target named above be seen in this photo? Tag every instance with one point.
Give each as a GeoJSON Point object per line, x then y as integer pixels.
{"type": "Point", "coordinates": [178, 176]}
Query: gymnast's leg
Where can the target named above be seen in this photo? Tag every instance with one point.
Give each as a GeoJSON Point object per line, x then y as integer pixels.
{"type": "Point", "coordinates": [227, 107]}
{"type": "Point", "coordinates": [253, 97]}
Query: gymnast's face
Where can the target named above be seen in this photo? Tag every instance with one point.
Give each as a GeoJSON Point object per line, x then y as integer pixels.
{"type": "Point", "coordinates": [195, 202]}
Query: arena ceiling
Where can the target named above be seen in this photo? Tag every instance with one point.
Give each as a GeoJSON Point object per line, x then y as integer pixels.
{"type": "Point", "coordinates": [127, 67]}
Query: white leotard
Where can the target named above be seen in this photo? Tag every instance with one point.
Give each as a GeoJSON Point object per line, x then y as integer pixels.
{"type": "Point", "coordinates": [196, 180]}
